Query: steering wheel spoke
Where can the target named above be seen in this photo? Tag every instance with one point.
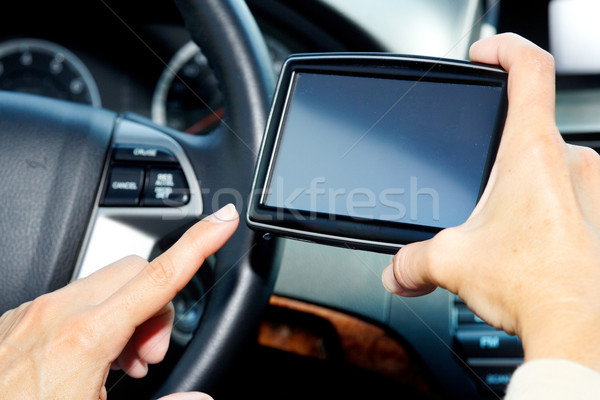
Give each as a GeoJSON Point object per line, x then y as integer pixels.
{"type": "Point", "coordinates": [149, 189]}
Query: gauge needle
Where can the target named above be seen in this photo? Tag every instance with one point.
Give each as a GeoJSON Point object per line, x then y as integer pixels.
{"type": "Point", "coordinates": [206, 122]}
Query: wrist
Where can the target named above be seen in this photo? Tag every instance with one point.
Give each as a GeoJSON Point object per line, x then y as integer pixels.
{"type": "Point", "coordinates": [569, 335]}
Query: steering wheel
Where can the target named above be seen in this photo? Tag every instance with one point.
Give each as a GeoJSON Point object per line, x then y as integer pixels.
{"type": "Point", "coordinates": [63, 201]}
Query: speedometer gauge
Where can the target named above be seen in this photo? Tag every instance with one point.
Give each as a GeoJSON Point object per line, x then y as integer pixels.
{"type": "Point", "coordinates": [47, 69]}
{"type": "Point", "coordinates": [187, 96]}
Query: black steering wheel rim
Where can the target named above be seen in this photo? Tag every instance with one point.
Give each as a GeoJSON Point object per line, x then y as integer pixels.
{"type": "Point", "coordinates": [224, 161]}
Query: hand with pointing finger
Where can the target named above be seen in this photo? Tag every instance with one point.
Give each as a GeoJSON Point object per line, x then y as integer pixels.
{"type": "Point", "coordinates": [528, 258]}
{"type": "Point", "coordinates": [62, 344]}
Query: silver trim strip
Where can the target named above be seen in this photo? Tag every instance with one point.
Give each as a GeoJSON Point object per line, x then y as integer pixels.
{"type": "Point", "coordinates": [397, 57]}
{"type": "Point", "coordinates": [341, 239]}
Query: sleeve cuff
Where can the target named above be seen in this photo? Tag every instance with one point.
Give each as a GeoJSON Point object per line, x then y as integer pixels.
{"type": "Point", "coordinates": [553, 379]}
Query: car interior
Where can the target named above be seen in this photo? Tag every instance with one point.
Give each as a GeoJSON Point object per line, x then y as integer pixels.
{"type": "Point", "coordinates": [124, 122]}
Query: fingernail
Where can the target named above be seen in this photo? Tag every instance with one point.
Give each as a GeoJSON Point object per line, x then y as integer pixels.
{"type": "Point", "coordinates": [225, 214]}
{"type": "Point", "coordinates": [137, 369]}
{"type": "Point", "coordinates": [389, 281]}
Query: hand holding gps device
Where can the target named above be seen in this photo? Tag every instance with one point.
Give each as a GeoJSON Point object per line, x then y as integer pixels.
{"type": "Point", "coordinates": [375, 151]}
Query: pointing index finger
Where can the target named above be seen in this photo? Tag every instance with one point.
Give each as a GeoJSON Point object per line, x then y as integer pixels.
{"type": "Point", "coordinates": [151, 289]}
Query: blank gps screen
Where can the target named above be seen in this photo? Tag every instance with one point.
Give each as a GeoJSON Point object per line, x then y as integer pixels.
{"type": "Point", "coordinates": [397, 150]}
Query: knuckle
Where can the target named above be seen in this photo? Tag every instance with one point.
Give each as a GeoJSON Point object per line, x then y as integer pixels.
{"type": "Point", "coordinates": [135, 261]}
{"type": "Point", "coordinates": [411, 263]}
{"type": "Point", "coordinates": [40, 312]}
{"type": "Point", "coordinates": [397, 259]}
{"type": "Point", "coordinates": [41, 307]}
{"type": "Point", "coordinates": [437, 266]}
{"type": "Point", "coordinates": [11, 318]}
{"type": "Point", "coordinates": [590, 159]}
{"type": "Point", "coordinates": [586, 162]}
{"type": "Point", "coordinates": [81, 331]}
{"type": "Point", "coordinates": [161, 271]}
{"type": "Point", "coordinates": [539, 59]}
{"type": "Point", "coordinates": [402, 271]}
{"type": "Point", "coordinates": [511, 36]}
{"type": "Point", "coordinates": [195, 239]}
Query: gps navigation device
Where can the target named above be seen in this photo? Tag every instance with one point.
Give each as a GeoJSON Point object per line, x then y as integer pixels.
{"type": "Point", "coordinates": [374, 151]}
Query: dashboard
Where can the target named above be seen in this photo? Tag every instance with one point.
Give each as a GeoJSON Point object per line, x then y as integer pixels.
{"type": "Point", "coordinates": [133, 56]}
{"type": "Point", "coordinates": [128, 57]}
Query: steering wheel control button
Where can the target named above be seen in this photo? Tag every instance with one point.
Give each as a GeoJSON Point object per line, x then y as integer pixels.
{"type": "Point", "coordinates": [494, 378]}
{"type": "Point", "coordinates": [166, 188]}
{"type": "Point", "coordinates": [143, 154]}
{"type": "Point", "coordinates": [124, 186]}
{"type": "Point", "coordinates": [489, 344]}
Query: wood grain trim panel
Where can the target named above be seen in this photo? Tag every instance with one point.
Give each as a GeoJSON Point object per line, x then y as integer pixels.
{"type": "Point", "coordinates": [359, 342]}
